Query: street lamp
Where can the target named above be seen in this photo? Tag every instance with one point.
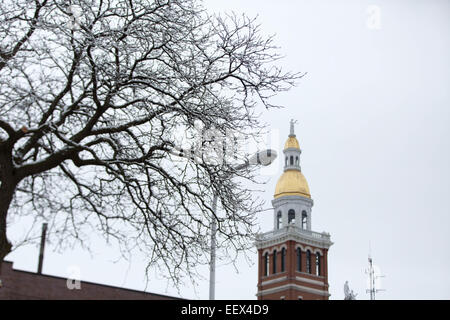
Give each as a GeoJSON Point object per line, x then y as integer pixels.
{"type": "Point", "coordinates": [263, 158]}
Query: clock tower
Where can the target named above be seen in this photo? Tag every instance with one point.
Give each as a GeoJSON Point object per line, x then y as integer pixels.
{"type": "Point", "coordinates": [292, 259]}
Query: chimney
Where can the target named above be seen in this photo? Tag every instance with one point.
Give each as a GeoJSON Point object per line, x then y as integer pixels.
{"type": "Point", "coordinates": [41, 251]}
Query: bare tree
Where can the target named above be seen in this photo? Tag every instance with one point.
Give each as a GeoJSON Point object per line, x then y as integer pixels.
{"type": "Point", "coordinates": [93, 95]}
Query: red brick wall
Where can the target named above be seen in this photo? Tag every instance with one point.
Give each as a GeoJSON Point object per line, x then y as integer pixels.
{"type": "Point", "coordinates": [291, 274]}
{"type": "Point", "coordinates": [18, 284]}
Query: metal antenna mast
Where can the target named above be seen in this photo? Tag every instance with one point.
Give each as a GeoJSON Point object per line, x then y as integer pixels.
{"type": "Point", "coordinates": [372, 277]}
{"type": "Point", "coordinates": [371, 273]}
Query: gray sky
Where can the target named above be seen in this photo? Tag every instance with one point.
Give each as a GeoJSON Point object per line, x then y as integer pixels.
{"type": "Point", "coordinates": [373, 116]}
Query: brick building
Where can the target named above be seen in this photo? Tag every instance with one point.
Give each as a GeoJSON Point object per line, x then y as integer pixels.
{"type": "Point", "coordinates": [292, 259]}
{"type": "Point", "coordinates": [24, 285]}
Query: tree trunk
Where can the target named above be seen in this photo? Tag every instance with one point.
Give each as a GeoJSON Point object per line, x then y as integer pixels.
{"type": "Point", "coordinates": [7, 188]}
{"type": "Point", "coordinates": [6, 196]}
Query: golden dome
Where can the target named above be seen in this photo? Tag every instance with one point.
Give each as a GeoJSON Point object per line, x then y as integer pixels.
{"type": "Point", "coordinates": [292, 183]}
{"type": "Point", "coordinates": [291, 142]}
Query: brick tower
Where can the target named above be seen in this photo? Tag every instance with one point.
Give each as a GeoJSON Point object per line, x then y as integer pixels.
{"type": "Point", "coordinates": [292, 259]}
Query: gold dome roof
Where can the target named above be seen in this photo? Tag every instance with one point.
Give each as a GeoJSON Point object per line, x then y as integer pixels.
{"type": "Point", "coordinates": [291, 142]}
{"type": "Point", "coordinates": [292, 183]}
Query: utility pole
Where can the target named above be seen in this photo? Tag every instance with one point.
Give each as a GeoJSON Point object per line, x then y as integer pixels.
{"type": "Point", "coordinates": [41, 250]}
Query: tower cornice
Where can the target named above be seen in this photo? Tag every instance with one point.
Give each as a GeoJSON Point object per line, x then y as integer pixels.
{"type": "Point", "coordinates": [292, 199]}
{"type": "Point", "coordinates": [291, 232]}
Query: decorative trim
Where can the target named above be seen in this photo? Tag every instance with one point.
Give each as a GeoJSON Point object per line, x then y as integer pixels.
{"type": "Point", "coordinates": [264, 283]}
{"type": "Point", "coordinates": [319, 251]}
{"type": "Point", "coordinates": [294, 286]}
{"type": "Point", "coordinates": [276, 238]}
{"type": "Point", "coordinates": [271, 250]}
{"type": "Point", "coordinates": [319, 283]}
{"type": "Point", "coordinates": [292, 148]}
{"type": "Point", "coordinates": [276, 202]}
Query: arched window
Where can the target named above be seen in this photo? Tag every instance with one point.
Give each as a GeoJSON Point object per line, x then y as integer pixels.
{"type": "Point", "coordinates": [318, 264]}
{"type": "Point", "coordinates": [291, 216]}
{"type": "Point", "coordinates": [274, 262]}
{"type": "Point", "coordinates": [296, 161]}
{"type": "Point", "coordinates": [304, 220]}
{"type": "Point", "coordinates": [266, 264]}
{"type": "Point", "coordinates": [308, 261]}
{"type": "Point", "coordinates": [292, 160]}
{"type": "Point", "coordinates": [299, 259]}
{"type": "Point", "coordinates": [279, 221]}
{"type": "Point", "coordinates": [283, 260]}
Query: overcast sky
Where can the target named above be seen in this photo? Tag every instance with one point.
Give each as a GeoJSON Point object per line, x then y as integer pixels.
{"type": "Point", "coordinates": [373, 113]}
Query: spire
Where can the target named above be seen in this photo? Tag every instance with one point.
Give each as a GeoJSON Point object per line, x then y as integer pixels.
{"type": "Point", "coordinates": [291, 133]}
